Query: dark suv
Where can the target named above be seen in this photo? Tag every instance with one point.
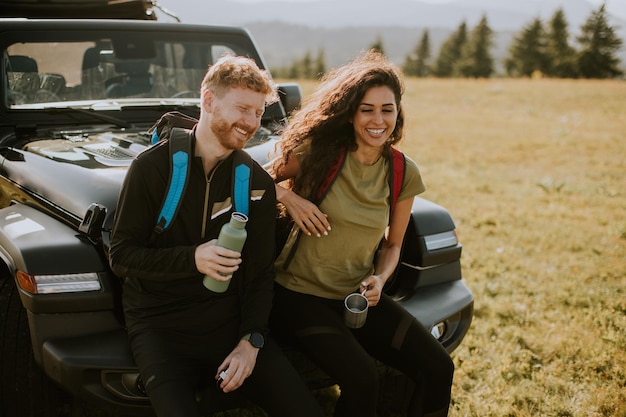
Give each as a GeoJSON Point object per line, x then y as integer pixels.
{"type": "Point", "coordinates": [77, 98]}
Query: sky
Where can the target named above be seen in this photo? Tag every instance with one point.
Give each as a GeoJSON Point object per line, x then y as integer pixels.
{"type": "Point", "coordinates": [614, 7]}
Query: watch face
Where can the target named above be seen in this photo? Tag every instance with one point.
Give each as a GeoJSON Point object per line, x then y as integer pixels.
{"type": "Point", "coordinates": [257, 340]}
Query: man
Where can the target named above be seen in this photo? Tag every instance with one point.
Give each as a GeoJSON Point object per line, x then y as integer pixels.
{"type": "Point", "coordinates": [181, 333]}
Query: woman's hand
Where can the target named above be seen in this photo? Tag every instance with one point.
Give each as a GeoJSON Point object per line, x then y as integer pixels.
{"type": "Point", "coordinates": [389, 255]}
{"type": "Point", "coordinates": [217, 262]}
{"type": "Point", "coordinates": [304, 213]}
{"type": "Point", "coordinates": [373, 286]}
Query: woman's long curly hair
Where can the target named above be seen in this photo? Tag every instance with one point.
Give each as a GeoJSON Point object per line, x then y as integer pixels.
{"type": "Point", "coordinates": [325, 117]}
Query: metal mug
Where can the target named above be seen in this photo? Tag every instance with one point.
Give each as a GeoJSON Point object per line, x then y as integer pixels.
{"type": "Point", "coordinates": [355, 311]}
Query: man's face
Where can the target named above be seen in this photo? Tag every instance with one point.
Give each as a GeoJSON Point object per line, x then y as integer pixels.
{"type": "Point", "coordinates": [235, 116]}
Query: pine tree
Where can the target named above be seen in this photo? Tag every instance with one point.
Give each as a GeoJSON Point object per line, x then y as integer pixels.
{"type": "Point", "coordinates": [476, 59]}
{"type": "Point", "coordinates": [599, 44]}
{"type": "Point", "coordinates": [410, 63]}
{"type": "Point", "coordinates": [450, 52]}
{"type": "Point", "coordinates": [294, 71]}
{"type": "Point", "coordinates": [320, 64]}
{"type": "Point", "coordinates": [306, 66]}
{"type": "Point", "coordinates": [527, 54]}
{"type": "Point", "coordinates": [561, 57]}
{"type": "Point", "coordinates": [418, 63]}
{"type": "Point", "coordinates": [378, 45]}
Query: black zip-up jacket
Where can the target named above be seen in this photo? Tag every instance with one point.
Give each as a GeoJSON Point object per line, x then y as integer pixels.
{"type": "Point", "coordinates": [163, 288]}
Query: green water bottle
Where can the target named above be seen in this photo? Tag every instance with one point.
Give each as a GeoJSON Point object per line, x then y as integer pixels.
{"type": "Point", "coordinates": [232, 236]}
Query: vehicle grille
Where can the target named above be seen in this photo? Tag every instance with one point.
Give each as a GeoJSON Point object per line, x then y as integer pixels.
{"type": "Point", "coordinates": [110, 151]}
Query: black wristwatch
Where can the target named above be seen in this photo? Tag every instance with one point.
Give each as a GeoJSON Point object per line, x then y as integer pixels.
{"type": "Point", "coordinates": [256, 339]}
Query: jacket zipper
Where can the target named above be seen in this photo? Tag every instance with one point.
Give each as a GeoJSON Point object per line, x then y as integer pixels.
{"type": "Point", "coordinates": [206, 198]}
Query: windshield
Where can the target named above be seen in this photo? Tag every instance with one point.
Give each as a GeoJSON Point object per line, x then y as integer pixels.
{"type": "Point", "coordinates": [85, 72]}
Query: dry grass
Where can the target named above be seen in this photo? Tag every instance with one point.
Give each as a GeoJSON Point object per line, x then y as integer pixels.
{"type": "Point", "coordinates": [534, 174]}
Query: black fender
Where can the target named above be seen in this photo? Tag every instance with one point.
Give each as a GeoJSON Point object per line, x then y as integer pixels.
{"type": "Point", "coordinates": [431, 253]}
{"type": "Point", "coordinates": [35, 243]}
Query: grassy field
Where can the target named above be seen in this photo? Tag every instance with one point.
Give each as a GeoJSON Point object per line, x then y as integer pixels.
{"type": "Point", "coordinates": [534, 174]}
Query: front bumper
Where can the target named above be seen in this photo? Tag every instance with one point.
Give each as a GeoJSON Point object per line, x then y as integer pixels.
{"type": "Point", "coordinates": [447, 306]}
{"type": "Point", "coordinates": [99, 368]}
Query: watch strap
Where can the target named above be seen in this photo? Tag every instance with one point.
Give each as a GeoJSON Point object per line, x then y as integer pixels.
{"type": "Point", "coordinates": [256, 339]}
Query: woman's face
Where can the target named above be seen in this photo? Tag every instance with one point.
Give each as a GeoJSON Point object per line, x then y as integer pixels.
{"type": "Point", "coordinates": [375, 118]}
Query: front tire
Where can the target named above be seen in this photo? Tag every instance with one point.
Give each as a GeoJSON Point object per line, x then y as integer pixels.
{"type": "Point", "coordinates": [26, 391]}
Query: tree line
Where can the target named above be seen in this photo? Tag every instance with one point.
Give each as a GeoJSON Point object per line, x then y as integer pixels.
{"type": "Point", "coordinates": [539, 49]}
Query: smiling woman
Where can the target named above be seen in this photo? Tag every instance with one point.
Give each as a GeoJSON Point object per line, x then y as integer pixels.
{"type": "Point", "coordinates": [347, 237]}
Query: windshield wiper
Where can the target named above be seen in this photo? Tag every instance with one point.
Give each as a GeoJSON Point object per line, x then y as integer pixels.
{"type": "Point", "coordinates": [93, 114]}
{"type": "Point", "coordinates": [190, 109]}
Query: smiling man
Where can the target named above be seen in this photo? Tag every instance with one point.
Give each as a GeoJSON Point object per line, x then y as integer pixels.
{"type": "Point", "coordinates": [182, 335]}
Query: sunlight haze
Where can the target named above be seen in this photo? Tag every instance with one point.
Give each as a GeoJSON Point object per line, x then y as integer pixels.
{"type": "Point", "coordinates": [615, 7]}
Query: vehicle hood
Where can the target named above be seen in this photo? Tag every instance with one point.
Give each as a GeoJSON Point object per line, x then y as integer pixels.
{"type": "Point", "coordinates": [73, 173]}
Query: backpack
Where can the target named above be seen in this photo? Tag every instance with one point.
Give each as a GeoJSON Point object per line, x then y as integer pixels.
{"type": "Point", "coordinates": [395, 181]}
{"type": "Point", "coordinates": [398, 166]}
{"type": "Point", "coordinates": [175, 127]}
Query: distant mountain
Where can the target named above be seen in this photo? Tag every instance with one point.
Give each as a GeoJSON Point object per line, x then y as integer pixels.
{"type": "Point", "coordinates": [281, 43]}
{"type": "Point", "coordinates": [286, 30]}
{"type": "Point", "coordinates": [502, 14]}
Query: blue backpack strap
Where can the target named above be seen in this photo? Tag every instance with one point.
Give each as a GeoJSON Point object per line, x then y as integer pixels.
{"type": "Point", "coordinates": [168, 121]}
{"type": "Point", "coordinates": [154, 139]}
{"type": "Point", "coordinates": [242, 168]}
{"type": "Point", "coordinates": [180, 144]}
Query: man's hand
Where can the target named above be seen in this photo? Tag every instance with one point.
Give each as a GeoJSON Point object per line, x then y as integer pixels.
{"type": "Point", "coordinates": [240, 364]}
{"type": "Point", "coordinates": [216, 262]}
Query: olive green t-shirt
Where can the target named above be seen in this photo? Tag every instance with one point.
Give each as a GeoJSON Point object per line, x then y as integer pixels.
{"type": "Point", "coordinates": [358, 211]}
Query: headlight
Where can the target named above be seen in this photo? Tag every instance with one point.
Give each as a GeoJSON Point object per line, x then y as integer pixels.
{"type": "Point", "coordinates": [441, 240]}
{"type": "Point", "coordinates": [55, 284]}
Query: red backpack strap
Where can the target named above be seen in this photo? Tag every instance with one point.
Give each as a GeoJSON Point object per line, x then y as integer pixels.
{"type": "Point", "coordinates": [396, 179]}
{"type": "Point", "coordinates": [331, 176]}
{"type": "Point", "coordinates": [322, 190]}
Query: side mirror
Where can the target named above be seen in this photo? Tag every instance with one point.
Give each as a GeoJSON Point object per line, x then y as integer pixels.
{"type": "Point", "coordinates": [290, 96]}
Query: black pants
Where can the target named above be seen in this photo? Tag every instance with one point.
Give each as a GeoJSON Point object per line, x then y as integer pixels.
{"type": "Point", "coordinates": [173, 366]}
{"type": "Point", "coordinates": [390, 335]}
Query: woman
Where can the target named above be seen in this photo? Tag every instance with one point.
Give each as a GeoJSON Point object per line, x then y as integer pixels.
{"type": "Point", "coordinates": [356, 111]}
